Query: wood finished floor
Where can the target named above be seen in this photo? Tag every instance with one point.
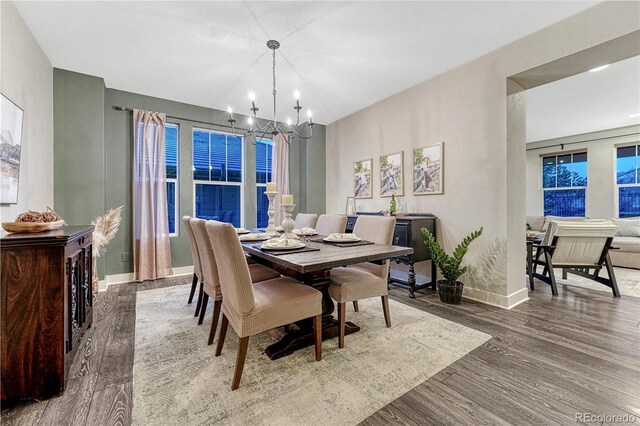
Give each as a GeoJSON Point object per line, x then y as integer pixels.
{"type": "Point", "coordinates": [549, 359]}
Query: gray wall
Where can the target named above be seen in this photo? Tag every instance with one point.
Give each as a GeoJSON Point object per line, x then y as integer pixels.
{"type": "Point", "coordinates": [601, 201]}
{"type": "Point", "coordinates": [27, 80]}
{"type": "Point", "coordinates": [81, 100]}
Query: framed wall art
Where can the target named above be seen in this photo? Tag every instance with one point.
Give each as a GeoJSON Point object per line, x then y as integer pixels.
{"type": "Point", "coordinates": [362, 182]}
{"type": "Point", "coordinates": [428, 170]}
{"type": "Point", "coordinates": [391, 172]}
{"type": "Point", "coordinates": [11, 116]}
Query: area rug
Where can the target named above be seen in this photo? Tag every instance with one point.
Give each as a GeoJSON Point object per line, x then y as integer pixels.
{"type": "Point", "coordinates": [177, 379]}
{"type": "Point", "coordinates": [628, 281]}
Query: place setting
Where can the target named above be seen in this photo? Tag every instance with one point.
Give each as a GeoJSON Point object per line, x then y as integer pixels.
{"type": "Point", "coordinates": [280, 246]}
{"type": "Point", "coordinates": [343, 240]}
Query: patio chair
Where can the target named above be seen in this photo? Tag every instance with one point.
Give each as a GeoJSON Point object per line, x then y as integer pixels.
{"type": "Point", "coordinates": [577, 248]}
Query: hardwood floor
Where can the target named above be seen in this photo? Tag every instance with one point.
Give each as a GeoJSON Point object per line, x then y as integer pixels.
{"type": "Point", "coordinates": [549, 359]}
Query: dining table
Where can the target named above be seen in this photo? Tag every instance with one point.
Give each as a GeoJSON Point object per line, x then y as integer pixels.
{"type": "Point", "coordinates": [313, 268]}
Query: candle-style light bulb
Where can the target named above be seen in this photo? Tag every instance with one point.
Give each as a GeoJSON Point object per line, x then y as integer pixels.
{"type": "Point", "coordinates": [230, 110]}
{"type": "Point", "coordinates": [252, 96]}
{"type": "Point", "coordinates": [250, 121]}
{"type": "Point", "coordinates": [309, 113]}
{"type": "Point", "coordinates": [296, 95]}
{"type": "Point", "coordinates": [289, 122]}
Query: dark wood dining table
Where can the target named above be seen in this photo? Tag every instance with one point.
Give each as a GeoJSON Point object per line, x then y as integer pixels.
{"type": "Point", "coordinates": [314, 268]}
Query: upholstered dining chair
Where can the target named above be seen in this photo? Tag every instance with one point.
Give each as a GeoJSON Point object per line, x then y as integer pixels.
{"type": "Point", "coordinates": [364, 280]}
{"type": "Point", "coordinates": [331, 224]}
{"type": "Point", "coordinates": [306, 220]}
{"type": "Point", "coordinates": [252, 309]}
{"type": "Point", "coordinates": [211, 281]}
{"type": "Point", "coordinates": [197, 270]}
{"type": "Point", "coordinates": [577, 247]}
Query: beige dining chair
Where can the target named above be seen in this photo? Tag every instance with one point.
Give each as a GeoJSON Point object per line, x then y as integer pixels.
{"type": "Point", "coordinates": [306, 220]}
{"type": "Point", "coordinates": [252, 309]}
{"type": "Point", "coordinates": [211, 279]}
{"type": "Point", "coordinates": [331, 224]}
{"type": "Point", "coordinates": [364, 280]}
{"type": "Point", "coordinates": [195, 256]}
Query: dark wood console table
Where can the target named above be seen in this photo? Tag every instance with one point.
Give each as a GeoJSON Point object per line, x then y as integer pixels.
{"type": "Point", "coordinates": [408, 234]}
{"type": "Point", "coordinates": [47, 305]}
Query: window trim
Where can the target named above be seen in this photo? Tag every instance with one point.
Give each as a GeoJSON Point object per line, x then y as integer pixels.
{"type": "Point", "coordinates": [176, 202]}
{"type": "Point", "coordinates": [243, 175]}
{"type": "Point", "coordinates": [263, 185]}
{"type": "Point", "coordinates": [617, 185]}
{"type": "Point", "coordinates": [560, 188]}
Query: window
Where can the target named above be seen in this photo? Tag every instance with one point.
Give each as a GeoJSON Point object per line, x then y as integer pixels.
{"type": "Point", "coordinates": [217, 175]}
{"type": "Point", "coordinates": [628, 180]}
{"type": "Point", "coordinates": [264, 169]}
{"type": "Point", "coordinates": [564, 183]}
{"type": "Point", "coordinates": [171, 159]}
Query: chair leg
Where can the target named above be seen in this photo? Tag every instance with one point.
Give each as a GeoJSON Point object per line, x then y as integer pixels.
{"type": "Point", "coordinates": [200, 293]}
{"type": "Point", "coordinates": [317, 336]}
{"type": "Point", "coordinates": [203, 307]}
{"type": "Point", "coordinates": [223, 334]}
{"type": "Point", "coordinates": [355, 306]}
{"type": "Point", "coordinates": [214, 321]}
{"type": "Point", "coordinates": [552, 276]}
{"type": "Point", "coordinates": [385, 309]}
{"type": "Point", "coordinates": [564, 274]}
{"type": "Point", "coordinates": [242, 356]}
{"type": "Point", "coordinates": [194, 285]}
{"type": "Point", "coordinates": [612, 276]}
{"type": "Point", "coordinates": [342, 311]}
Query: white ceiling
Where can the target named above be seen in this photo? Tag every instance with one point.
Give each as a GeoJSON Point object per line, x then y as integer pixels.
{"type": "Point", "coordinates": [342, 56]}
{"type": "Point", "coordinates": [585, 103]}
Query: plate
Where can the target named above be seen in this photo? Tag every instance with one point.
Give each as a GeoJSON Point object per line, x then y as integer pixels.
{"type": "Point", "coordinates": [340, 240]}
{"type": "Point", "coordinates": [304, 234]}
{"type": "Point", "coordinates": [31, 227]}
{"type": "Point", "coordinates": [297, 246]}
{"type": "Point", "coordinates": [241, 231]}
{"type": "Point", "coordinates": [247, 238]}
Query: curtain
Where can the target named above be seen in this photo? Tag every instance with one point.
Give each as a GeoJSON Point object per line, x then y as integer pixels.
{"type": "Point", "coordinates": [280, 172]}
{"type": "Point", "coordinates": [151, 249]}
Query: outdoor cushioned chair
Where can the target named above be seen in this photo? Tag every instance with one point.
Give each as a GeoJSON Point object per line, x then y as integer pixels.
{"type": "Point", "coordinates": [331, 224]}
{"type": "Point", "coordinates": [197, 271]}
{"type": "Point", "coordinates": [306, 220]}
{"type": "Point", "coordinates": [577, 247]}
{"type": "Point", "coordinates": [364, 280]}
{"type": "Point", "coordinates": [210, 274]}
{"type": "Point", "coordinates": [252, 309]}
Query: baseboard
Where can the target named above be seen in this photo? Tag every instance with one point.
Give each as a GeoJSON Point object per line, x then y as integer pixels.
{"type": "Point", "coordinates": [497, 300]}
{"type": "Point", "coordinates": [128, 277]}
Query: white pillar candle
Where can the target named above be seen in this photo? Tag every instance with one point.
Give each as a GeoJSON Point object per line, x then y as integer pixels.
{"type": "Point", "coordinates": [271, 186]}
{"type": "Point", "coordinates": [287, 200]}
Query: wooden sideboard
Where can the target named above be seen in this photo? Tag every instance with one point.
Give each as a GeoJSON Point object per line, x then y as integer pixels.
{"type": "Point", "coordinates": [408, 234]}
{"type": "Point", "coordinates": [47, 305]}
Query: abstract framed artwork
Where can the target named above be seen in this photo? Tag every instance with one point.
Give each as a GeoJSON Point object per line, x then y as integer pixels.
{"type": "Point", "coordinates": [11, 116]}
{"type": "Point", "coordinates": [391, 172]}
{"type": "Point", "coordinates": [362, 174]}
{"type": "Point", "coordinates": [428, 170]}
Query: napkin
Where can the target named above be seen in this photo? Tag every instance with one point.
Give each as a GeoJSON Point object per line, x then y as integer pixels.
{"type": "Point", "coordinates": [338, 236]}
{"type": "Point", "coordinates": [251, 236]}
{"type": "Point", "coordinates": [281, 242]}
{"type": "Point", "coordinates": [305, 231]}
{"type": "Point", "coordinates": [241, 230]}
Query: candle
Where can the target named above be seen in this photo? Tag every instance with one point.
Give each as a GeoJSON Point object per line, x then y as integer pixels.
{"type": "Point", "coordinates": [287, 200]}
{"type": "Point", "coordinates": [271, 186]}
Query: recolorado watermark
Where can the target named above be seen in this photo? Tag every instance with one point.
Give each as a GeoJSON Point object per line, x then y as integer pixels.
{"type": "Point", "coordinates": [605, 418]}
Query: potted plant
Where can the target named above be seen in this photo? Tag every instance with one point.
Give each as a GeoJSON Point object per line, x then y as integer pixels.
{"type": "Point", "coordinates": [449, 289]}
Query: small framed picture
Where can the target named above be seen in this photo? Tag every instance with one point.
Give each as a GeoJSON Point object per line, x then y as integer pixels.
{"type": "Point", "coordinates": [362, 173]}
{"type": "Point", "coordinates": [391, 172]}
{"type": "Point", "coordinates": [10, 146]}
{"type": "Point", "coordinates": [428, 170]}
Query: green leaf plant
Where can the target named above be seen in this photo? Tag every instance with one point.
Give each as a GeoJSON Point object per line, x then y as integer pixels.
{"type": "Point", "coordinates": [449, 265]}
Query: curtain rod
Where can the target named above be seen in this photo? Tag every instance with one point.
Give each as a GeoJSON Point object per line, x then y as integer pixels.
{"type": "Point", "coordinates": [583, 141]}
{"type": "Point", "coordinates": [122, 108]}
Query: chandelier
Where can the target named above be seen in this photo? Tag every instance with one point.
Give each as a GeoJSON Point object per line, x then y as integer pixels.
{"type": "Point", "coordinates": [273, 126]}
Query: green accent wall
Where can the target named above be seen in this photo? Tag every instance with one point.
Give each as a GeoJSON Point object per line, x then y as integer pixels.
{"type": "Point", "coordinates": [81, 101]}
